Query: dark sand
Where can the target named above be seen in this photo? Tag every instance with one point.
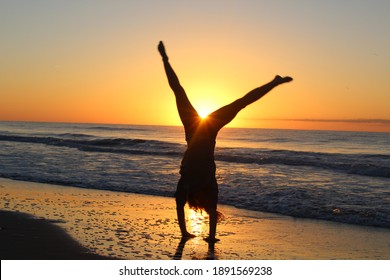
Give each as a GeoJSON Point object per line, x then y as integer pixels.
{"type": "Point", "coordinates": [23, 237]}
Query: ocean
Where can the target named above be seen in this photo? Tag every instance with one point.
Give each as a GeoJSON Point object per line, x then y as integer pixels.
{"type": "Point", "coordinates": [327, 175]}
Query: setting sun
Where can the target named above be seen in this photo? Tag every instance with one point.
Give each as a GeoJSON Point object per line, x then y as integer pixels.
{"type": "Point", "coordinates": [203, 106]}
{"type": "Point", "coordinates": [203, 113]}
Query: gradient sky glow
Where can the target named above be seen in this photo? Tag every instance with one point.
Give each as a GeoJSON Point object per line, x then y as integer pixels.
{"type": "Point", "coordinates": [97, 61]}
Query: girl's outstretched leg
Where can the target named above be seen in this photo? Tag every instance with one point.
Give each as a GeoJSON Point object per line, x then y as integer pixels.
{"type": "Point", "coordinates": [187, 112]}
{"type": "Point", "coordinates": [226, 114]}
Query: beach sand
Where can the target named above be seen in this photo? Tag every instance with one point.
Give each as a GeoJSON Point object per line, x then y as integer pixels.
{"type": "Point", "coordinates": [75, 223]}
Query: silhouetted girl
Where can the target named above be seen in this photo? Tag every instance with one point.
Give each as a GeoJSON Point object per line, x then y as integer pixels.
{"type": "Point", "coordinates": [198, 185]}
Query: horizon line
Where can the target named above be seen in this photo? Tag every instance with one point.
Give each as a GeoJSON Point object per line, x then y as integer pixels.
{"type": "Point", "coordinates": [358, 120]}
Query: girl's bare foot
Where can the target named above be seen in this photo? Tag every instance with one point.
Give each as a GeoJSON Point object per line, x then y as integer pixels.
{"type": "Point", "coordinates": [281, 80]}
{"type": "Point", "coordinates": [161, 49]}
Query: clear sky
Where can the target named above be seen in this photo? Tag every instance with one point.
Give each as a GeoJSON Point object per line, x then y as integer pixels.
{"type": "Point", "coordinates": [97, 61]}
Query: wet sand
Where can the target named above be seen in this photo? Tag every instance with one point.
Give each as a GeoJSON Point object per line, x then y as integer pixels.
{"type": "Point", "coordinates": [103, 224]}
{"type": "Point", "coordinates": [23, 236]}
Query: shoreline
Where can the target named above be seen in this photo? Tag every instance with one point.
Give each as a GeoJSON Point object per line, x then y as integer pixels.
{"type": "Point", "coordinates": [113, 225]}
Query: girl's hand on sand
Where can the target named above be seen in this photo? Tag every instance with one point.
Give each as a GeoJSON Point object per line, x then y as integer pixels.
{"type": "Point", "coordinates": [211, 239]}
{"type": "Point", "coordinates": [188, 235]}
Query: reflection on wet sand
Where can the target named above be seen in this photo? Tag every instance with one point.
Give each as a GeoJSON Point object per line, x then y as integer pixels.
{"type": "Point", "coordinates": [210, 255]}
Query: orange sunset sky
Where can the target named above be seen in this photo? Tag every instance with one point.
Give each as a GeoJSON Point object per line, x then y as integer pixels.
{"type": "Point", "coordinates": [97, 61]}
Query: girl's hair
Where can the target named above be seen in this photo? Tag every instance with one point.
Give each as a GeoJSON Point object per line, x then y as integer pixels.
{"type": "Point", "coordinates": [200, 201]}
